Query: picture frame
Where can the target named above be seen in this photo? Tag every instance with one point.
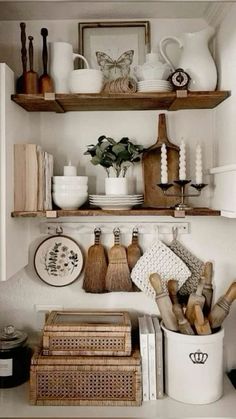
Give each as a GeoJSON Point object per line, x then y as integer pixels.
{"type": "Point", "coordinates": [114, 47]}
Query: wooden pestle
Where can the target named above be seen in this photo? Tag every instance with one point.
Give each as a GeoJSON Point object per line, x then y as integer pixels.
{"type": "Point", "coordinates": [221, 309]}
{"type": "Point", "coordinates": [183, 323]}
{"type": "Point", "coordinates": [164, 303]}
{"type": "Point", "coordinates": [195, 298]}
{"type": "Point", "coordinates": [207, 288]}
{"type": "Point", "coordinates": [201, 324]}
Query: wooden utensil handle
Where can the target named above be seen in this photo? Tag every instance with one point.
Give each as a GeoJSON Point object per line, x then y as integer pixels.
{"type": "Point", "coordinates": [155, 281]}
{"type": "Point", "coordinates": [172, 286]}
{"type": "Point", "coordinates": [200, 286]}
{"type": "Point", "coordinates": [44, 33]}
{"type": "Point", "coordinates": [23, 47]}
{"type": "Point", "coordinates": [162, 131]}
{"type": "Point", "coordinates": [207, 272]}
{"type": "Point", "coordinates": [199, 317]}
{"type": "Point", "coordinates": [231, 293]}
{"type": "Point", "coordinates": [31, 52]}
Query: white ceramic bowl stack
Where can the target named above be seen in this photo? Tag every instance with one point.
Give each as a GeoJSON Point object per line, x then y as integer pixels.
{"type": "Point", "coordinates": [69, 192]}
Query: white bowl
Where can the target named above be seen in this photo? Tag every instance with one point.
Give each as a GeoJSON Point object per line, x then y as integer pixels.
{"type": "Point", "coordinates": [87, 80]}
{"type": "Point", "coordinates": [78, 180]}
{"type": "Point", "coordinates": [73, 187]}
{"type": "Point", "coordinates": [69, 201]}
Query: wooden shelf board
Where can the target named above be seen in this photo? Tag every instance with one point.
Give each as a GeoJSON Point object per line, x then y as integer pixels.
{"type": "Point", "coordinates": [119, 101]}
{"type": "Point", "coordinates": [83, 212]}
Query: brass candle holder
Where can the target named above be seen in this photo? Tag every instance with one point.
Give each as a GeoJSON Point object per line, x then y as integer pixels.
{"type": "Point", "coordinates": [182, 206]}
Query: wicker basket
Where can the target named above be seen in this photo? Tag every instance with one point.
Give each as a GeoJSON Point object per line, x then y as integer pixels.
{"type": "Point", "coordinates": [81, 380]}
{"type": "Point", "coordinates": [87, 333]}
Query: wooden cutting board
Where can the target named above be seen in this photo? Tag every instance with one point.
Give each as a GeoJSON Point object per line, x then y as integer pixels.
{"type": "Point", "coordinates": [153, 195]}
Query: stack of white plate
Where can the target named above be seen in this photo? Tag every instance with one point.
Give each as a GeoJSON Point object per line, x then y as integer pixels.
{"type": "Point", "coordinates": [112, 202]}
{"type": "Point", "coordinates": [69, 192]}
{"type": "Point", "coordinates": [154, 86]}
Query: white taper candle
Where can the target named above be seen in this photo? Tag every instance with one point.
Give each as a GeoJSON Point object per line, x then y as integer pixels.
{"type": "Point", "coordinates": [198, 165]}
{"type": "Point", "coordinates": [164, 167]}
{"type": "Point", "coordinates": [182, 162]}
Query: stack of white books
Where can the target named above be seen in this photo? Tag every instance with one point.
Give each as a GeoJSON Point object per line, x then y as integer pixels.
{"type": "Point", "coordinates": [151, 348]}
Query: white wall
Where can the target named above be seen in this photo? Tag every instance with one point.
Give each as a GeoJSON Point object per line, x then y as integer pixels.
{"type": "Point", "coordinates": [66, 136]}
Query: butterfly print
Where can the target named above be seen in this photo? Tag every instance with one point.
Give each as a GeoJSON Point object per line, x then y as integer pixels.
{"type": "Point", "coordinates": [112, 69]}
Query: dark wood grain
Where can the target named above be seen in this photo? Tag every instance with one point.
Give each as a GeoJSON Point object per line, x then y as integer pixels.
{"type": "Point", "coordinates": [121, 101]}
{"type": "Point", "coordinates": [85, 212]}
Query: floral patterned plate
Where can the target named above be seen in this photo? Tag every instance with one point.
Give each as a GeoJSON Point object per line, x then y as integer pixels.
{"type": "Point", "coordinates": [58, 261]}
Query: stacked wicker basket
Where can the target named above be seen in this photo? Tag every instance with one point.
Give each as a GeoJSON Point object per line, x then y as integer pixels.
{"type": "Point", "coordinates": [86, 359]}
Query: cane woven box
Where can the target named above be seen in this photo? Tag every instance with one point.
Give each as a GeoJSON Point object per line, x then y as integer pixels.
{"type": "Point", "coordinates": [85, 380]}
{"type": "Point", "coordinates": [103, 333]}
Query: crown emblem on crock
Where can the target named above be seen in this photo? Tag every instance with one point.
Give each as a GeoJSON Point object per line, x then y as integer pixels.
{"type": "Point", "coordinates": [198, 357]}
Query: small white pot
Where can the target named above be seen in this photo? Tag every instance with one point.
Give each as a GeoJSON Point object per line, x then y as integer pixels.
{"type": "Point", "coordinates": [116, 186]}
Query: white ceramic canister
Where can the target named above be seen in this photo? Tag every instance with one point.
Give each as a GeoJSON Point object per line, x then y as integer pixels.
{"type": "Point", "coordinates": [193, 366]}
{"type": "Point", "coordinates": [61, 64]}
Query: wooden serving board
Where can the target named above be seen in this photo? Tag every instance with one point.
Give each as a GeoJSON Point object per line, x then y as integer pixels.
{"type": "Point", "coordinates": [153, 195]}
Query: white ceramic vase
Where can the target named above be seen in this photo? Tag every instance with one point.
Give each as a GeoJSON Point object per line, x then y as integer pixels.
{"type": "Point", "coordinates": [116, 186]}
{"type": "Point", "coordinates": [195, 58]}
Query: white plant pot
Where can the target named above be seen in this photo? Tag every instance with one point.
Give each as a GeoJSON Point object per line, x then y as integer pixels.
{"type": "Point", "coordinates": [116, 186]}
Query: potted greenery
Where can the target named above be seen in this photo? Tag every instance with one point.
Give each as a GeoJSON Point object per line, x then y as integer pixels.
{"type": "Point", "coordinates": [115, 157]}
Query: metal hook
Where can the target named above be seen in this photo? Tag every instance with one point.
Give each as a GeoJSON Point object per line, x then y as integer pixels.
{"type": "Point", "coordinates": [116, 233]}
{"type": "Point", "coordinates": [175, 232]}
{"type": "Point", "coordinates": [135, 233]}
{"type": "Point", "coordinates": [59, 230]}
{"type": "Point", "coordinates": [97, 232]}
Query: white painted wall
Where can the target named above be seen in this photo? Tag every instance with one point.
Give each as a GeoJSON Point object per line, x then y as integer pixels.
{"type": "Point", "coordinates": [67, 135]}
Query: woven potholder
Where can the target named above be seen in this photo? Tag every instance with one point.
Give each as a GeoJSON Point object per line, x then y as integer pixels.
{"type": "Point", "coordinates": [160, 259]}
{"type": "Point", "coordinates": [194, 264]}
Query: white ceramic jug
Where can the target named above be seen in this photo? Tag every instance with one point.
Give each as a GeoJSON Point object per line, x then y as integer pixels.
{"type": "Point", "coordinates": [195, 58]}
{"type": "Point", "coordinates": [61, 64]}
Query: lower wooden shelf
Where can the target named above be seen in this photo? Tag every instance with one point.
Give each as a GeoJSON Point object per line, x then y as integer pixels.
{"type": "Point", "coordinates": [85, 212]}
{"type": "Point", "coordinates": [15, 404]}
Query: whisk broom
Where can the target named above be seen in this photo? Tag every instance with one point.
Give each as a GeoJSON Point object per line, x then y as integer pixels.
{"type": "Point", "coordinates": [134, 252]}
{"type": "Point", "coordinates": [96, 266]}
{"type": "Point", "coordinates": [118, 274]}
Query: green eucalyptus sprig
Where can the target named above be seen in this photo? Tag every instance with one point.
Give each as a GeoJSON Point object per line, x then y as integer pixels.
{"type": "Point", "coordinates": [109, 153]}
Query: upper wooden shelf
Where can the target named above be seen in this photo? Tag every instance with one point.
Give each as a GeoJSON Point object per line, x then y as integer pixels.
{"type": "Point", "coordinates": [135, 212]}
{"type": "Point", "coordinates": [172, 101]}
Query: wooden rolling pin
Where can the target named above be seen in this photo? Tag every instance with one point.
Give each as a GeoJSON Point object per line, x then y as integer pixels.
{"type": "Point", "coordinates": [201, 324]}
{"type": "Point", "coordinates": [221, 309]}
{"type": "Point", "coordinates": [164, 303]}
{"type": "Point", "coordinates": [183, 323]}
{"type": "Point", "coordinates": [195, 298]}
{"type": "Point", "coordinates": [207, 288]}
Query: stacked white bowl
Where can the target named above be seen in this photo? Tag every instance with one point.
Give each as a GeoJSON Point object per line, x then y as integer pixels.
{"type": "Point", "coordinates": [69, 192]}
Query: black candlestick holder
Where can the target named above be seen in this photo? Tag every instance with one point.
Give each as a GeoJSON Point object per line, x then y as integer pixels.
{"type": "Point", "coordinates": [182, 206]}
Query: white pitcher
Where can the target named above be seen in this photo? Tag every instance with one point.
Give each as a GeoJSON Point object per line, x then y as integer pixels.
{"type": "Point", "coordinates": [195, 58]}
{"type": "Point", "coordinates": [61, 64]}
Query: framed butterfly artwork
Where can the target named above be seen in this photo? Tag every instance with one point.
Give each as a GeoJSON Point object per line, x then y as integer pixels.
{"type": "Point", "coordinates": [114, 47]}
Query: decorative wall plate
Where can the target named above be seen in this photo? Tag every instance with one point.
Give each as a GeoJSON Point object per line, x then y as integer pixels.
{"type": "Point", "coordinates": [58, 260]}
